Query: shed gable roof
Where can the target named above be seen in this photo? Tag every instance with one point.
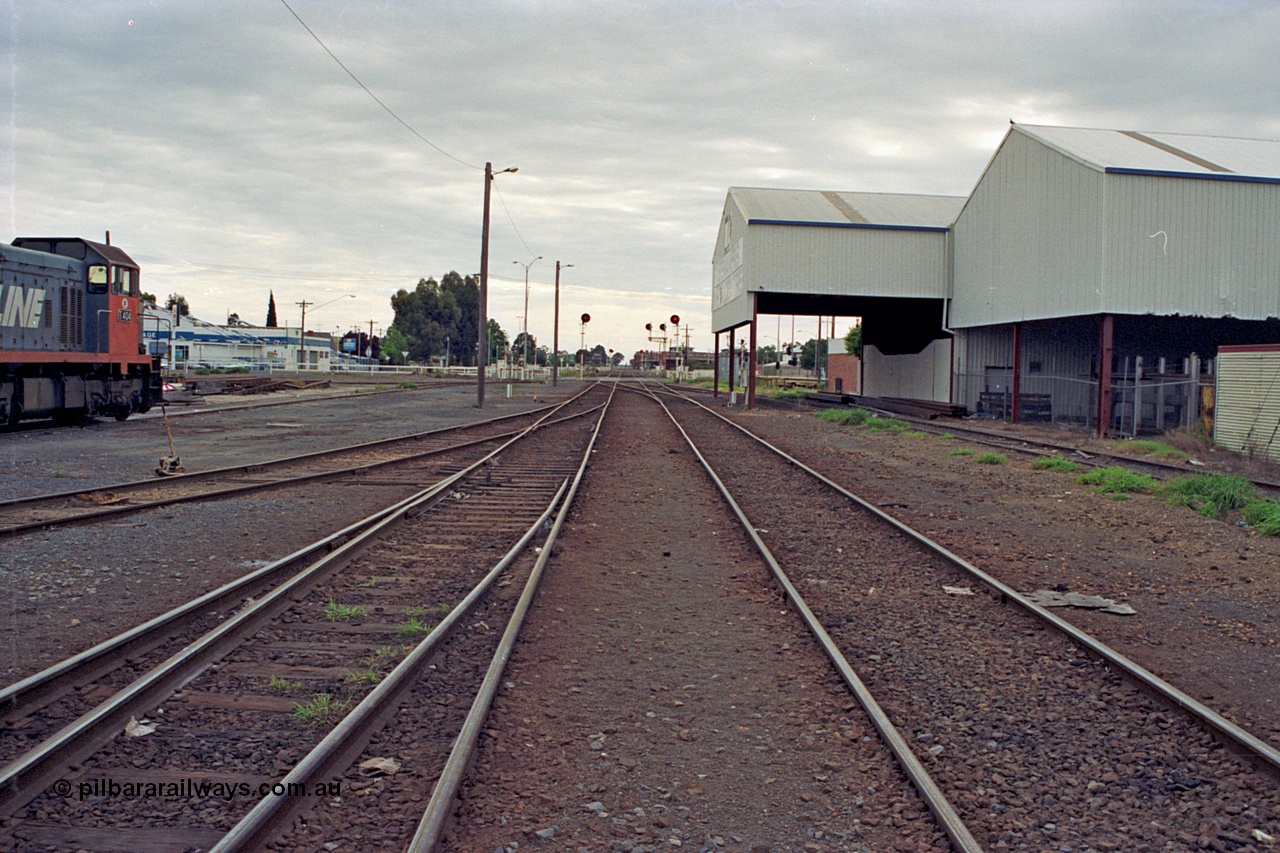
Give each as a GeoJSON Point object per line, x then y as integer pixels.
{"type": "Point", "coordinates": [827, 208]}
{"type": "Point", "coordinates": [1181, 154]}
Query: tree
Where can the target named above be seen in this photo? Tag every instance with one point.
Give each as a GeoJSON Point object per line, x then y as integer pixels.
{"type": "Point", "coordinates": [271, 310]}
{"type": "Point", "coordinates": [809, 354]}
{"type": "Point", "coordinates": [525, 343]}
{"type": "Point", "coordinates": [853, 341]}
{"type": "Point", "coordinates": [434, 313]}
{"type": "Point", "coordinates": [766, 354]}
{"type": "Point", "coordinates": [497, 341]}
{"type": "Point", "coordinates": [395, 349]}
{"type": "Point", "coordinates": [233, 319]}
{"type": "Point", "coordinates": [463, 297]}
{"type": "Point", "coordinates": [148, 298]}
{"type": "Point", "coordinates": [598, 356]}
{"type": "Point", "coordinates": [177, 299]}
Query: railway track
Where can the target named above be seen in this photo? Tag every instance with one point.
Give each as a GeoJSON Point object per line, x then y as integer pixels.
{"type": "Point", "coordinates": [360, 460]}
{"type": "Point", "coordinates": [1094, 457]}
{"type": "Point", "coordinates": [280, 669]}
{"type": "Point", "coordinates": [1017, 729]}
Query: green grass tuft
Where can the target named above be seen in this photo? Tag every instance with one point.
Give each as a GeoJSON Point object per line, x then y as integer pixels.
{"type": "Point", "coordinates": [886, 425]}
{"type": "Point", "coordinates": [413, 627]}
{"type": "Point", "coordinates": [1117, 480]}
{"type": "Point", "coordinates": [335, 612]}
{"type": "Point", "coordinates": [365, 676]}
{"type": "Point", "coordinates": [1147, 447]}
{"type": "Point", "coordinates": [844, 417]}
{"type": "Point", "coordinates": [1210, 494]}
{"type": "Point", "coordinates": [1055, 463]}
{"type": "Point", "coordinates": [782, 393]}
{"type": "Point", "coordinates": [990, 458]}
{"type": "Point", "coordinates": [319, 708]}
{"type": "Point", "coordinates": [961, 451]}
{"type": "Point", "coordinates": [947, 435]}
{"type": "Point", "coordinates": [1263, 516]}
{"type": "Point", "coordinates": [283, 685]}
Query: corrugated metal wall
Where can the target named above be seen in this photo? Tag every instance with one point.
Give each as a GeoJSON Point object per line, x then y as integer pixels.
{"type": "Point", "coordinates": [1028, 244]}
{"type": "Point", "coordinates": [1247, 402]}
{"type": "Point", "coordinates": [1192, 247]}
{"type": "Point", "coordinates": [921, 376]}
{"type": "Point", "coordinates": [848, 261]}
{"type": "Point", "coordinates": [1057, 371]}
{"type": "Point", "coordinates": [730, 305]}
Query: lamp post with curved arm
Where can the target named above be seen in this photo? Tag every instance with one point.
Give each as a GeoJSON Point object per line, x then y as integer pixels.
{"type": "Point", "coordinates": [555, 335]}
{"type": "Point", "coordinates": [526, 303]}
{"type": "Point", "coordinates": [482, 333]}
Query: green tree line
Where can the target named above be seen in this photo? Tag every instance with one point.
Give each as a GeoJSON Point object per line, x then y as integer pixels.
{"type": "Point", "coordinates": [437, 315]}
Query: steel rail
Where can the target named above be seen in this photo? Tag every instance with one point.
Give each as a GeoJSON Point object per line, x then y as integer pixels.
{"type": "Point", "coordinates": [445, 793]}
{"type": "Point", "coordinates": [267, 404]}
{"type": "Point", "coordinates": [257, 467]}
{"type": "Point", "coordinates": [1005, 442]}
{"type": "Point", "coordinates": [961, 838]}
{"type": "Point", "coordinates": [348, 739]}
{"type": "Point", "coordinates": [35, 689]}
{"type": "Point", "coordinates": [26, 776]}
{"type": "Point", "coordinates": [283, 482]}
{"type": "Point", "coordinates": [1211, 718]}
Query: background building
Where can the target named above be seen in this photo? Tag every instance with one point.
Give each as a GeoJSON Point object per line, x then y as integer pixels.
{"type": "Point", "coordinates": [1090, 271]}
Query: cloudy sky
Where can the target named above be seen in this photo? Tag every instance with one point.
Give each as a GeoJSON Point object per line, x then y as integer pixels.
{"type": "Point", "coordinates": [230, 155]}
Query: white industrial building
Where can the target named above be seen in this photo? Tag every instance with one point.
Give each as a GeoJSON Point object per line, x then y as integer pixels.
{"type": "Point", "coordinates": [1089, 271]}
{"type": "Point", "coordinates": [878, 256]}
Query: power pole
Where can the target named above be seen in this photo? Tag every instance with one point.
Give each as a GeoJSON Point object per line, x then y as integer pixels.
{"type": "Point", "coordinates": [482, 334]}
{"type": "Point", "coordinates": [555, 334]}
{"type": "Point", "coordinates": [302, 339]}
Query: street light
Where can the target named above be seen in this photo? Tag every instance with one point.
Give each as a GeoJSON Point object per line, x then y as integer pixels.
{"type": "Point", "coordinates": [526, 303]}
{"type": "Point", "coordinates": [482, 334]}
{"type": "Point", "coordinates": [555, 335]}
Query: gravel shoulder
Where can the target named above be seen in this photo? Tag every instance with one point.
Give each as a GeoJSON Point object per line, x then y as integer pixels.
{"type": "Point", "coordinates": [1206, 591]}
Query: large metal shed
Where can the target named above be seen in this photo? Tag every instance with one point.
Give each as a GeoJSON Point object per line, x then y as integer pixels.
{"type": "Point", "coordinates": [882, 257]}
{"type": "Point", "coordinates": [1099, 271]}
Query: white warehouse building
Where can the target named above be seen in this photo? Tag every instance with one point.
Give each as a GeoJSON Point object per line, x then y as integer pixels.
{"type": "Point", "coordinates": [1089, 271]}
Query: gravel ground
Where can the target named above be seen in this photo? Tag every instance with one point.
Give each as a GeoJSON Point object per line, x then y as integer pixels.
{"type": "Point", "coordinates": [64, 589]}
{"type": "Point", "coordinates": [1206, 591]}
{"type": "Point", "coordinates": [633, 721]}
{"type": "Point", "coordinates": [680, 704]}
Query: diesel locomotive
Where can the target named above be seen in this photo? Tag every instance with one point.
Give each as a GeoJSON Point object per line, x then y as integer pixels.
{"type": "Point", "coordinates": [71, 341]}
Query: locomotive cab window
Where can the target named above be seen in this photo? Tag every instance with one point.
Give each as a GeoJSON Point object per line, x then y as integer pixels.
{"type": "Point", "coordinates": [98, 278]}
{"type": "Point", "coordinates": [125, 281]}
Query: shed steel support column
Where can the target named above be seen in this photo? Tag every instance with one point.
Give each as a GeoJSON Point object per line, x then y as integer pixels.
{"type": "Point", "coordinates": [1106, 348]}
{"type": "Point", "coordinates": [1016, 381]}
{"type": "Point", "coordinates": [733, 356]}
{"type": "Point", "coordinates": [751, 358]}
{"type": "Point", "coordinates": [715, 369]}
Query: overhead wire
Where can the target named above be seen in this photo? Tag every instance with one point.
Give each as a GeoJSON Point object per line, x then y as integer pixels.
{"type": "Point", "coordinates": [512, 221]}
{"type": "Point", "coordinates": [367, 91]}
{"type": "Point", "coordinates": [405, 124]}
